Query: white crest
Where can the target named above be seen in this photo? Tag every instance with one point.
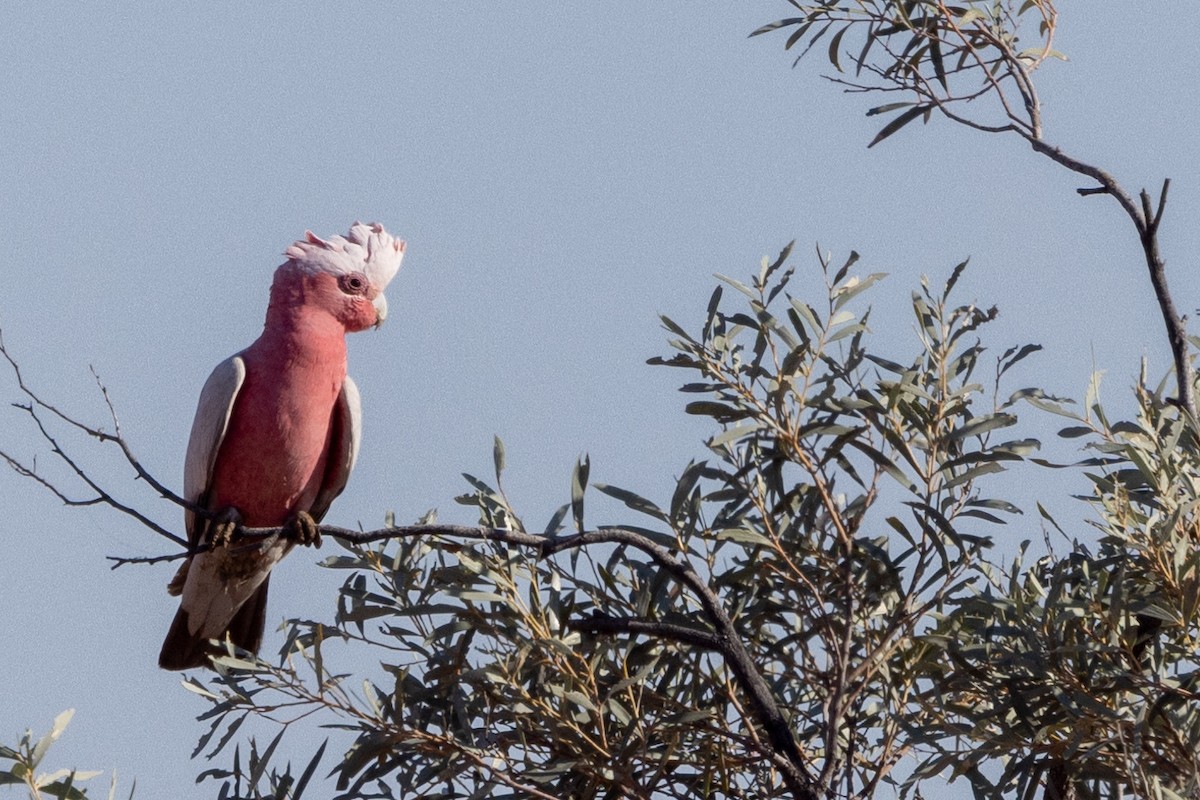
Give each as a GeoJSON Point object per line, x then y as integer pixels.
{"type": "Point", "coordinates": [368, 249]}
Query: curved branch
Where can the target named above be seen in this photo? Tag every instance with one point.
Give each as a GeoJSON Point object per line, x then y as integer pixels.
{"type": "Point", "coordinates": [102, 497]}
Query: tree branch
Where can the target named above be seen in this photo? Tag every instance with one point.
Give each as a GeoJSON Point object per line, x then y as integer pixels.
{"type": "Point", "coordinates": [602, 623]}
{"type": "Point", "coordinates": [1146, 219]}
{"type": "Point", "coordinates": [988, 44]}
{"type": "Point", "coordinates": [786, 753]}
{"type": "Point", "coordinates": [102, 497]}
{"type": "Point", "coordinates": [97, 433]}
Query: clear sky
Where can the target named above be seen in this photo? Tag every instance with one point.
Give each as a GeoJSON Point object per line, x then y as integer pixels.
{"type": "Point", "coordinates": [562, 173]}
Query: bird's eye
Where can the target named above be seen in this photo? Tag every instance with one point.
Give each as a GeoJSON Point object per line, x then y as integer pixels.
{"type": "Point", "coordinates": [353, 284]}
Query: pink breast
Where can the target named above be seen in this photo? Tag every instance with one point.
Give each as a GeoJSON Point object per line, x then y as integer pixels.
{"type": "Point", "coordinates": [272, 459]}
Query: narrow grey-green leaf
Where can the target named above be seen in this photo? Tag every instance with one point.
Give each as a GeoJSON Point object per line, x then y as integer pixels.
{"type": "Point", "coordinates": [1075, 431]}
{"type": "Point", "coordinates": [633, 501]}
{"type": "Point", "coordinates": [980, 425]}
{"type": "Point", "coordinates": [579, 482]}
{"type": "Point", "coordinates": [498, 457]}
{"type": "Point", "coordinates": [898, 122]}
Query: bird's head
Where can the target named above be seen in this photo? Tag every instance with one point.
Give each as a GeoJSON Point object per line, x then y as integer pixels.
{"type": "Point", "coordinates": [343, 275]}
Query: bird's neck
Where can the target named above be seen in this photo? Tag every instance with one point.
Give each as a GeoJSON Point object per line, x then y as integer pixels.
{"type": "Point", "coordinates": [299, 331]}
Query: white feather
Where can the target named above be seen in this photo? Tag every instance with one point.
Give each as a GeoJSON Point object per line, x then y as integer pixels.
{"type": "Point", "coordinates": [208, 430]}
{"type": "Point", "coordinates": [368, 249]}
{"type": "Point", "coordinates": [344, 452]}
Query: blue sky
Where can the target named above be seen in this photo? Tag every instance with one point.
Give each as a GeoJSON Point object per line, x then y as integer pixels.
{"type": "Point", "coordinates": [562, 173]}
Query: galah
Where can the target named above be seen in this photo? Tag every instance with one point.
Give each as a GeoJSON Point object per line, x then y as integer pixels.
{"type": "Point", "coordinates": [275, 437]}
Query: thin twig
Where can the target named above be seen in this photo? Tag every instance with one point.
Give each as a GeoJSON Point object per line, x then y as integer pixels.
{"type": "Point", "coordinates": [97, 433]}
{"type": "Point", "coordinates": [102, 496]}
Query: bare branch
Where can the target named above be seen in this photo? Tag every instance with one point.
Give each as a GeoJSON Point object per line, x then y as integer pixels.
{"type": "Point", "coordinates": [1146, 220]}
{"type": "Point", "coordinates": [96, 433]}
{"type": "Point", "coordinates": [120, 561]}
{"type": "Point", "coordinates": [1162, 203]}
{"type": "Point", "coordinates": [32, 473]}
{"type": "Point", "coordinates": [102, 497]}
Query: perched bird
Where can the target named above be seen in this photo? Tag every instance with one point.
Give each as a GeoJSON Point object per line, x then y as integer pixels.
{"type": "Point", "coordinates": [275, 436]}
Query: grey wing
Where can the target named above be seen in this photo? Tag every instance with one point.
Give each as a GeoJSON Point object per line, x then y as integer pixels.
{"type": "Point", "coordinates": [344, 437]}
{"type": "Point", "coordinates": [208, 431]}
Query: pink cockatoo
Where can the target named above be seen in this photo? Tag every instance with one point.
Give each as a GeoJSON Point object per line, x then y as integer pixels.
{"type": "Point", "coordinates": [275, 436]}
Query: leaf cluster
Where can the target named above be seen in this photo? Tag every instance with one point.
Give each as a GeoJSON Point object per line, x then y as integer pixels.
{"type": "Point", "coordinates": [1085, 663]}
{"type": "Point", "coordinates": [24, 759]}
{"type": "Point", "coordinates": [937, 56]}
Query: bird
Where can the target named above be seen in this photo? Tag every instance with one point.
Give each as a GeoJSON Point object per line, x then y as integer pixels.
{"type": "Point", "coordinates": [274, 439]}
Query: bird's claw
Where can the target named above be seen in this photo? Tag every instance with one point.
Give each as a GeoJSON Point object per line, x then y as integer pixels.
{"type": "Point", "coordinates": [222, 527]}
{"type": "Point", "coordinates": [303, 529]}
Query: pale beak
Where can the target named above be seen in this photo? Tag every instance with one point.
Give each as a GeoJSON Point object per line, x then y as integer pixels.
{"type": "Point", "coordinates": [380, 303]}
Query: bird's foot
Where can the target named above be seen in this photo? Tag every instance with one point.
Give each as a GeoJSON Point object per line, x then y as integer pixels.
{"type": "Point", "coordinates": [222, 527]}
{"type": "Point", "coordinates": [301, 528]}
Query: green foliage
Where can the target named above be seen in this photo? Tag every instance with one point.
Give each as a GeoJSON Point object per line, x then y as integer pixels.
{"type": "Point", "coordinates": [19, 767]}
{"type": "Point", "coordinates": [837, 534]}
{"type": "Point", "coordinates": [1087, 662]}
{"type": "Point", "coordinates": [840, 511]}
{"type": "Point", "coordinates": [938, 56]}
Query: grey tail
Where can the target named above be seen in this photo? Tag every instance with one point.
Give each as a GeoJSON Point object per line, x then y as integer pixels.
{"type": "Point", "coordinates": [182, 650]}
